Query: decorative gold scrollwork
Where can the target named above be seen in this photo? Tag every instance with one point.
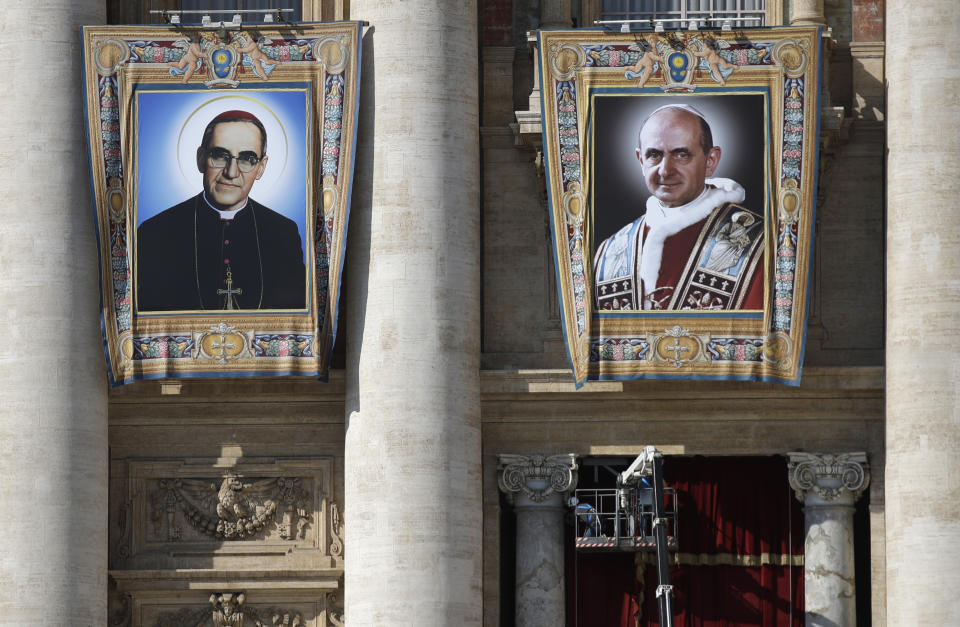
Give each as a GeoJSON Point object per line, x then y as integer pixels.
{"type": "Point", "coordinates": [777, 350]}
{"type": "Point", "coordinates": [791, 55]}
{"type": "Point", "coordinates": [332, 53]}
{"type": "Point", "coordinates": [574, 204]}
{"type": "Point", "coordinates": [565, 60]}
{"type": "Point", "coordinates": [330, 196]}
{"type": "Point", "coordinates": [125, 345]}
{"type": "Point", "coordinates": [117, 202]}
{"type": "Point", "coordinates": [789, 201]}
{"type": "Point", "coordinates": [583, 349]}
{"type": "Point", "coordinates": [677, 346]}
{"type": "Point", "coordinates": [109, 55]}
{"type": "Point", "coordinates": [223, 343]}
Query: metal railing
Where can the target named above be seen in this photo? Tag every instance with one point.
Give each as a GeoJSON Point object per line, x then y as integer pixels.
{"type": "Point", "coordinates": [621, 518]}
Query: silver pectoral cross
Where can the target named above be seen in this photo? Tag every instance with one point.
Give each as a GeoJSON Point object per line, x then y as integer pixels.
{"type": "Point", "coordinates": [231, 302]}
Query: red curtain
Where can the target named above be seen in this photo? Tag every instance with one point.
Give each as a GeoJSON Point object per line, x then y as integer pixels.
{"type": "Point", "coordinates": [738, 522]}
{"type": "Point", "coordinates": [605, 594]}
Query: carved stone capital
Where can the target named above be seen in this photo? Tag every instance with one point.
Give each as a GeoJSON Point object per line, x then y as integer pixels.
{"type": "Point", "coordinates": [828, 478]}
{"type": "Point", "coordinates": [537, 477]}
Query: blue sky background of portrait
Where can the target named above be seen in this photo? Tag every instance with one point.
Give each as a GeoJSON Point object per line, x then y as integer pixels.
{"type": "Point", "coordinates": [168, 175]}
{"type": "Point", "coordinates": [737, 122]}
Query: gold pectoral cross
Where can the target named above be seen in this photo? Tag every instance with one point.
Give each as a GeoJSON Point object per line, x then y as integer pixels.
{"type": "Point", "coordinates": [231, 303]}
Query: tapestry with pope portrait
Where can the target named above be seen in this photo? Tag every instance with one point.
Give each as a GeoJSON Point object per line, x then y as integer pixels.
{"type": "Point", "coordinates": [221, 162]}
{"type": "Point", "coordinates": [681, 171]}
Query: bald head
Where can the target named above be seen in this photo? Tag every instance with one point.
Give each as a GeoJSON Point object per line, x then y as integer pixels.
{"type": "Point", "coordinates": [683, 114]}
{"type": "Point", "coordinates": [676, 154]}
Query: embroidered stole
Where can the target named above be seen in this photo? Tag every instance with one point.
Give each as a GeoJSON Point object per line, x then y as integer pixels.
{"type": "Point", "coordinates": [716, 275]}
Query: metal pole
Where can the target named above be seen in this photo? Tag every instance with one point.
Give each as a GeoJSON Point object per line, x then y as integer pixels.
{"type": "Point", "coordinates": [664, 589]}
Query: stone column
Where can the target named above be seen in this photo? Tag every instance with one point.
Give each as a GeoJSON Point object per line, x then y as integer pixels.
{"type": "Point", "coordinates": [923, 314]}
{"type": "Point", "coordinates": [828, 486]}
{"type": "Point", "coordinates": [537, 487]}
{"type": "Point", "coordinates": [53, 416]}
{"type": "Point", "coordinates": [413, 509]}
{"type": "Point", "coordinates": [807, 12]}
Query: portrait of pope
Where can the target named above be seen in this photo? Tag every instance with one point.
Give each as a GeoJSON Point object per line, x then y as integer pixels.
{"type": "Point", "coordinates": [697, 243]}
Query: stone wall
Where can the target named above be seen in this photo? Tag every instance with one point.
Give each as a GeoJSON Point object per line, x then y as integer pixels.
{"type": "Point", "coordinates": [226, 488]}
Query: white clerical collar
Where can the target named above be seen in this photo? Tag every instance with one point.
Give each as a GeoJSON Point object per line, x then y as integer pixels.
{"type": "Point", "coordinates": [666, 221]}
{"type": "Point", "coordinates": [672, 220]}
{"type": "Point", "coordinates": [225, 215]}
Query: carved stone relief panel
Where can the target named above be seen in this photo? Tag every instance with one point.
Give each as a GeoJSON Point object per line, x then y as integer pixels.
{"type": "Point", "coordinates": [188, 513]}
{"type": "Point", "coordinates": [234, 608]}
{"type": "Point", "coordinates": [229, 508]}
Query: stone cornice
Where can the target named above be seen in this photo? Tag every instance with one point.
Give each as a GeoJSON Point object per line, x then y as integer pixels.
{"type": "Point", "coordinates": [817, 382]}
{"type": "Point", "coordinates": [500, 384]}
{"type": "Point", "coordinates": [290, 581]}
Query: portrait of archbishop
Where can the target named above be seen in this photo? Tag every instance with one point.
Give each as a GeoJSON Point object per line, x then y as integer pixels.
{"type": "Point", "coordinates": [221, 249]}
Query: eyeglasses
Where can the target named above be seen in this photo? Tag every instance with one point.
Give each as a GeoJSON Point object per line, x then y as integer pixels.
{"type": "Point", "coordinates": [220, 158]}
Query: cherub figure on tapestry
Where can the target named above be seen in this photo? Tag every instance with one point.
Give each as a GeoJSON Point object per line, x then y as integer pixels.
{"type": "Point", "coordinates": [253, 56]}
{"type": "Point", "coordinates": [708, 50]}
{"type": "Point", "coordinates": [190, 62]}
{"type": "Point", "coordinates": [650, 58]}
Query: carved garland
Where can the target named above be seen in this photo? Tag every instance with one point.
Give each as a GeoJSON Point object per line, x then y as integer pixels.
{"type": "Point", "coordinates": [234, 509]}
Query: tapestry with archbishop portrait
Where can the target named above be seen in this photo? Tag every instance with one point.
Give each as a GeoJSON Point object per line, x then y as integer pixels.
{"type": "Point", "coordinates": [681, 174]}
{"type": "Point", "coordinates": [221, 163]}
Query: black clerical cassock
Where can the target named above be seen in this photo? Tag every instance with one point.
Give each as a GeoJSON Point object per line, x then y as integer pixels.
{"type": "Point", "coordinates": [187, 254]}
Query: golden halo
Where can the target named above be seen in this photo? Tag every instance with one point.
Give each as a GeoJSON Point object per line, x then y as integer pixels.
{"type": "Point", "coordinates": [283, 130]}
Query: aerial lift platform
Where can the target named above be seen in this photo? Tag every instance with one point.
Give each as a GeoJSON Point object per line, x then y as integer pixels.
{"type": "Point", "coordinates": [640, 514]}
